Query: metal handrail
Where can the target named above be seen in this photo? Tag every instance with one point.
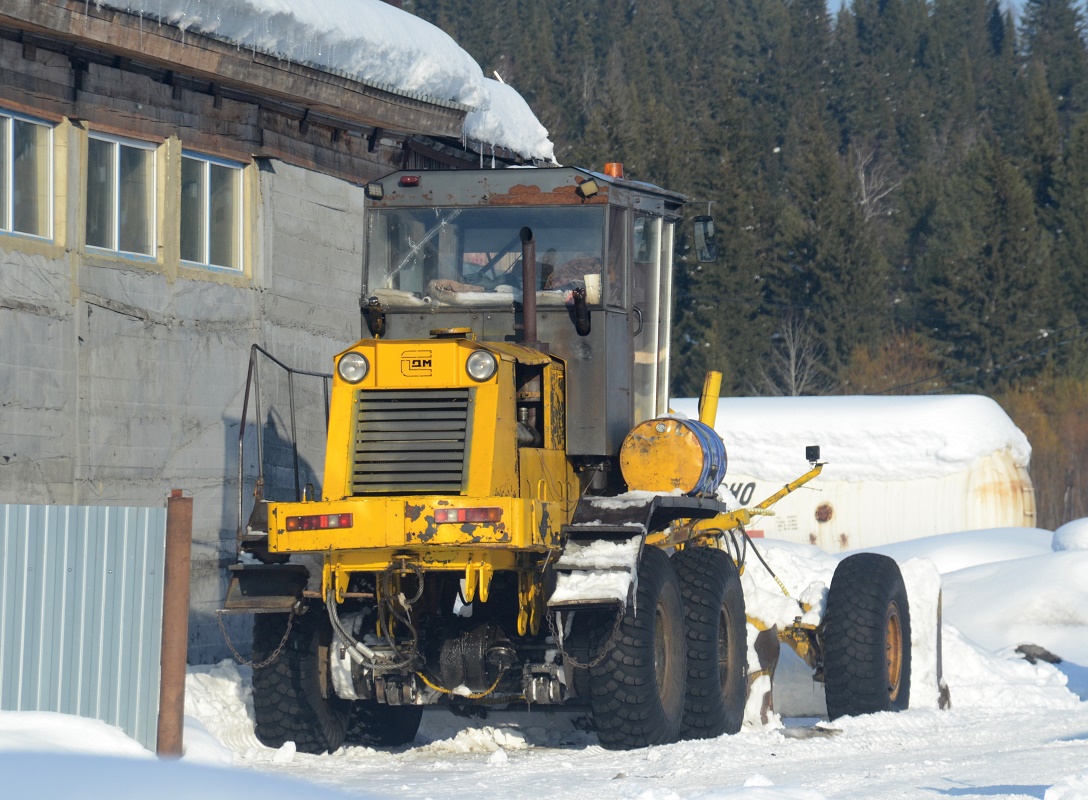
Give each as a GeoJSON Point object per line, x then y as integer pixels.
{"type": "Point", "coordinates": [253, 382]}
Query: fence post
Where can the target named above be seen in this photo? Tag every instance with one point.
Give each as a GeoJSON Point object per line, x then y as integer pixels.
{"type": "Point", "coordinates": [175, 624]}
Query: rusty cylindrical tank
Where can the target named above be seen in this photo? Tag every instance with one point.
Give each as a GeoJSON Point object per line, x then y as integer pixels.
{"type": "Point", "coordinates": [670, 453]}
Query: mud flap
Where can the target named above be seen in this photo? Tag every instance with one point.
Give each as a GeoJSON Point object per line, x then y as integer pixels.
{"type": "Point", "coordinates": [264, 588]}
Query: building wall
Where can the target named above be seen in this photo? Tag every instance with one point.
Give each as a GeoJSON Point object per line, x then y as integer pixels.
{"type": "Point", "coordinates": [123, 378]}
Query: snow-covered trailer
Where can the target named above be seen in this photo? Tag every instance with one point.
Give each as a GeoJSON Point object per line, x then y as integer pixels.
{"type": "Point", "coordinates": [897, 467]}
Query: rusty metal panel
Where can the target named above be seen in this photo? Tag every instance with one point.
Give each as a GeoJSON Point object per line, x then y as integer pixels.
{"type": "Point", "coordinates": [81, 592]}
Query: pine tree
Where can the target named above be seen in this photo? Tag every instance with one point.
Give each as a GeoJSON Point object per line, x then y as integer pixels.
{"type": "Point", "coordinates": [1053, 34]}
{"type": "Point", "coordinates": [827, 270]}
{"type": "Point", "coordinates": [1042, 139]}
{"type": "Point", "coordinates": [1003, 93]}
{"type": "Point", "coordinates": [986, 285]}
{"type": "Point", "coordinates": [960, 62]}
{"type": "Point", "coordinates": [720, 322]}
{"type": "Point", "coordinates": [892, 38]}
{"type": "Point", "coordinates": [1071, 223]}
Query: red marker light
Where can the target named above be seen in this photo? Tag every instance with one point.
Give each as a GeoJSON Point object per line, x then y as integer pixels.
{"type": "Point", "coordinates": [409, 180]}
{"type": "Point", "coordinates": [442, 515]}
{"type": "Point", "coordinates": [319, 522]}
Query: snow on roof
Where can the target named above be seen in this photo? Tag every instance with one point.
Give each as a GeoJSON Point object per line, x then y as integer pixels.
{"type": "Point", "coordinates": [509, 122]}
{"type": "Point", "coordinates": [374, 43]}
{"type": "Point", "coordinates": [862, 437]}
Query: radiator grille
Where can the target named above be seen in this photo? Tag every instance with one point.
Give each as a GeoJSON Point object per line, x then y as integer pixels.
{"type": "Point", "coordinates": [410, 442]}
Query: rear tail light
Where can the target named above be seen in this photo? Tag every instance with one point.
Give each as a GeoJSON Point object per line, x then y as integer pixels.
{"type": "Point", "coordinates": [319, 522]}
{"type": "Point", "coordinates": [467, 515]}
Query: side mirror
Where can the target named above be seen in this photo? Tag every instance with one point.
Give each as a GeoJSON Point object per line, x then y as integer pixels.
{"type": "Point", "coordinates": [705, 249]}
{"type": "Point", "coordinates": [812, 453]}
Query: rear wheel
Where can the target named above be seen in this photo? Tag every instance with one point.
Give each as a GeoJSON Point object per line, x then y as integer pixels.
{"type": "Point", "coordinates": [637, 691]}
{"type": "Point", "coordinates": [378, 725]}
{"type": "Point", "coordinates": [293, 697]}
{"type": "Point", "coordinates": [866, 636]}
{"type": "Point", "coordinates": [717, 649]}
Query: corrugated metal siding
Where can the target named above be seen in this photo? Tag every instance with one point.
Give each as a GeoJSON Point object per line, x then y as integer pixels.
{"type": "Point", "coordinates": [81, 592]}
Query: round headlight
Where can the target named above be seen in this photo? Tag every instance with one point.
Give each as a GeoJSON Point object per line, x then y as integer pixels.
{"type": "Point", "coordinates": [353, 367]}
{"type": "Point", "coordinates": [481, 365]}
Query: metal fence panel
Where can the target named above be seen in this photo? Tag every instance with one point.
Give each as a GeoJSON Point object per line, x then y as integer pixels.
{"type": "Point", "coordinates": [81, 591]}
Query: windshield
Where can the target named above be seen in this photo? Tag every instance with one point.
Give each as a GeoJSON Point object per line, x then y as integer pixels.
{"type": "Point", "coordinates": [472, 256]}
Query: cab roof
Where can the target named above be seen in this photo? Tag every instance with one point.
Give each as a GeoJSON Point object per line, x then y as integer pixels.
{"type": "Point", "coordinates": [519, 186]}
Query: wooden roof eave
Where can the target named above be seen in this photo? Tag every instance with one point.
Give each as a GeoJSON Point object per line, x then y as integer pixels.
{"type": "Point", "coordinates": [127, 35]}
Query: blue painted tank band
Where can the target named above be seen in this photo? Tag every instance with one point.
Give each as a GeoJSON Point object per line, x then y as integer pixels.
{"type": "Point", "coordinates": [714, 458]}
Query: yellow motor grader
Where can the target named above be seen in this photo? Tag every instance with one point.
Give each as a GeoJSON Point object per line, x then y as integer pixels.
{"type": "Point", "coordinates": [508, 514]}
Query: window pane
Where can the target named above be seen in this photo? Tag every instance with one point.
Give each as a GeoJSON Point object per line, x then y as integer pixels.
{"type": "Point", "coordinates": [100, 183]}
{"type": "Point", "coordinates": [30, 190]}
{"type": "Point", "coordinates": [225, 199]}
{"type": "Point", "coordinates": [415, 250]}
{"type": "Point", "coordinates": [5, 124]}
{"type": "Point", "coordinates": [136, 202]}
{"type": "Point", "coordinates": [192, 209]}
{"type": "Point", "coordinates": [645, 296]}
{"type": "Point", "coordinates": [617, 241]}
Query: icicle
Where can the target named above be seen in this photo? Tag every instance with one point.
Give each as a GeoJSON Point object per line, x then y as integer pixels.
{"type": "Point", "coordinates": [492, 156]}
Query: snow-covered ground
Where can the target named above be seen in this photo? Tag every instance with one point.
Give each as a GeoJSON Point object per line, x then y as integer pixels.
{"type": "Point", "coordinates": [1015, 729]}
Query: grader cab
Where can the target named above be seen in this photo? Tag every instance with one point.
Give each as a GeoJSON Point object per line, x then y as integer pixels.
{"type": "Point", "coordinates": [509, 515]}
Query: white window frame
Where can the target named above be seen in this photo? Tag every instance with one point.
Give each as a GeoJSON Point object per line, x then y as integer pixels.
{"type": "Point", "coordinates": [151, 147]}
{"type": "Point", "coordinates": [7, 224]}
{"type": "Point", "coordinates": [206, 162]}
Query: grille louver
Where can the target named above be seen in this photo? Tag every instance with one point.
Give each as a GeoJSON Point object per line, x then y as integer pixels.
{"type": "Point", "coordinates": [410, 442]}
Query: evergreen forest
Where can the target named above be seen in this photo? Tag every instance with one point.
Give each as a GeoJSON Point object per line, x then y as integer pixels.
{"type": "Point", "coordinates": [900, 190]}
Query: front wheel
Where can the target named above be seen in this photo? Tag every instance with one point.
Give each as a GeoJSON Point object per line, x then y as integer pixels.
{"type": "Point", "coordinates": [293, 696]}
{"type": "Point", "coordinates": [637, 691]}
{"type": "Point", "coordinates": [866, 638]}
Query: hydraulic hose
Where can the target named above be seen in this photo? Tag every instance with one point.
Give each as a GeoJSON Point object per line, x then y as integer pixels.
{"type": "Point", "coordinates": [358, 651]}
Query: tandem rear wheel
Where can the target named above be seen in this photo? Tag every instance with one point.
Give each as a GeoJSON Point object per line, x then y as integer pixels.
{"type": "Point", "coordinates": [715, 624]}
{"type": "Point", "coordinates": [677, 667]}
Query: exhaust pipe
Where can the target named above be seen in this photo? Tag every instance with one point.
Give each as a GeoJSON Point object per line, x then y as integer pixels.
{"type": "Point", "coordinates": [528, 287]}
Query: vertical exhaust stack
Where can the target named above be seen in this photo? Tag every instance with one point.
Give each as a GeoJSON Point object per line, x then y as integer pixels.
{"type": "Point", "coordinates": [528, 289]}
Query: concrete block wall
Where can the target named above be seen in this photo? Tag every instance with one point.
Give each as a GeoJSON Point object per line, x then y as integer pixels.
{"type": "Point", "coordinates": [38, 352]}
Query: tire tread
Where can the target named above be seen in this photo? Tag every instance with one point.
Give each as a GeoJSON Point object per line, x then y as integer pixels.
{"type": "Point", "coordinates": [853, 632]}
{"type": "Point", "coordinates": [287, 701]}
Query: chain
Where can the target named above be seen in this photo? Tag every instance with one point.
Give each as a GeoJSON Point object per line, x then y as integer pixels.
{"type": "Point", "coordinates": [604, 651]}
{"type": "Point", "coordinates": [246, 662]}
